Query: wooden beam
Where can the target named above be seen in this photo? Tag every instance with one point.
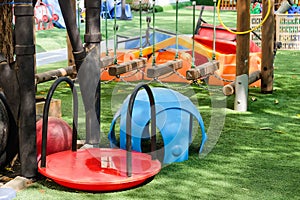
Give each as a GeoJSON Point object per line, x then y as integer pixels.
{"type": "Point", "coordinates": [53, 74]}
{"type": "Point", "coordinates": [203, 70]}
{"type": "Point", "coordinates": [127, 66]}
{"type": "Point", "coordinates": [164, 68]}
{"type": "Point", "coordinates": [230, 88]}
{"type": "Point", "coordinates": [267, 44]}
{"type": "Point", "coordinates": [107, 61]}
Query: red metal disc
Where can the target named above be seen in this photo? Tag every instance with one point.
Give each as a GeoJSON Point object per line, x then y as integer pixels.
{"type": "Point", "coordinates": [99, 169]}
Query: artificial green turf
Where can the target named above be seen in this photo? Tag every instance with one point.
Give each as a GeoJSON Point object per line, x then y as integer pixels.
{"type": "Point", "coordinates": [256, 157]}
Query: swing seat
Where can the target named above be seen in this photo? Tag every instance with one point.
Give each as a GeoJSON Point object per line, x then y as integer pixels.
{"type": "Point", "coordinates": [174, 117]}
{"type": "Point", "coordinates": [164, 68]}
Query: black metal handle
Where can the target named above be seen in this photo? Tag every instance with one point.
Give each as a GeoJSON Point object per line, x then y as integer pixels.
{"type": "Point", "coordinates": [129, 128]}
{"type": "Point", "coordinates": [46, 113]}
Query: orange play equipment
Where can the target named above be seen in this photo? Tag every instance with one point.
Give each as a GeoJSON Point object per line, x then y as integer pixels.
{"type": "Point", "coordinates": [225, 43]}
{"type": "Point", "coordinates": [225, 54]}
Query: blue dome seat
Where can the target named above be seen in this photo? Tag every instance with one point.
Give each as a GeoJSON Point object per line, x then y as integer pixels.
{"type": "Point", "coordinates": [174, 117]}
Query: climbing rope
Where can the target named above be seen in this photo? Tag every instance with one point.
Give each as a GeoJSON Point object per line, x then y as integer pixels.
{"type": "Point", "coordinates": [176, 30]}
{"type": "Point", "coordinates": [153, 35]}
{"type": "Point", "coordinates": [214, 33]}
{"type": "Point", "coordinates": [193, 44]}
{"type": "Point", "coordinates": [115, 32]}
{"type": "Point", "coordinates": [141, 36]}
{"type": "Point", "coordinates": [106, 30]}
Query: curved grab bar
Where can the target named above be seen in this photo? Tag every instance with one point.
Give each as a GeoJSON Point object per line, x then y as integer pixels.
{"type": "Point", "coordinates": [129, 128]}
{"type": "Point", "coordinates": [46, 113]}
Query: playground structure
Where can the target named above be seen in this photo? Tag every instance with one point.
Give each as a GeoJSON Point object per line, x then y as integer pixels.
{"type": "Point", "coordinates": [111, 160]}
{"type": "Point", "coordinates": [44, 16]}
{"type": "Point", "coordinates": [228, 4]}
{"type": "Point", "coordinates": [98, 169]}
{"type": "Point", "coordinates": [203, 49]}
{"type": "Point", "coordinates": [112, 169]}
{"type": "Point", "coordinates": [286, 25]}
{"type": "Point", "coordinates": [231, 4]}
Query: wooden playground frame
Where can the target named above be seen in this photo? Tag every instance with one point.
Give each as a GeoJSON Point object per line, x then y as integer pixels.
{"type": "Point", "coordinates": [231, 4]}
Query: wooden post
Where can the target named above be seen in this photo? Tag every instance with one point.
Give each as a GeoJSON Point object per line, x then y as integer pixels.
{"type": "Point", "coordinates": [25, 60]}
{"type": "Point", "coordinates": [267, 69]}
{"type": "Point", "coordinates": [242, 55]}
{"type": "Point", "coordinates": [71, 61]}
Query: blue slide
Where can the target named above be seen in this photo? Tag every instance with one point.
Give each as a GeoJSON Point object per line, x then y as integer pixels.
{"type": "Point", "coordinates": [108, 9]}
{"type": "Point", "coordinates": [56, 9]}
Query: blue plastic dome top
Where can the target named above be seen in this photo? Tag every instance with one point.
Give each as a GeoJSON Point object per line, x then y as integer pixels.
{"type": "Point", "coordinates": [7, 193]}
{"type": "Point", "coordinates": [173, 114]}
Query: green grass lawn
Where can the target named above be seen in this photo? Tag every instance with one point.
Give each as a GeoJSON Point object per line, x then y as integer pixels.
{"type": "Point", "coordinates": [257, 155]}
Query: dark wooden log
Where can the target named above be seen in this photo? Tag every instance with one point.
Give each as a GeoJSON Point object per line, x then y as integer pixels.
{"type": "Point", "coordinates": [25, 58]}
{"type": "Point", "coordinates": [53, 74]}
{"type": "Point", "coordinates": [164, 68]}
{"type": "Point", "coordinates": [230, 88]}
{"type": "Point", "coordinates": [127, 66]}
{"type": "Point", "coordinates": [202, 71]}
